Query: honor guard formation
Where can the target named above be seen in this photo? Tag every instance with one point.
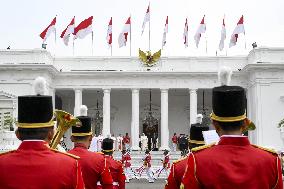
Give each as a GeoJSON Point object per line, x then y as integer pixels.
{"type": "Point", "coordinates": [231, 162]}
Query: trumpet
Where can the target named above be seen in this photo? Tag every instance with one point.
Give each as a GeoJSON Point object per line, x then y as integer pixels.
{"type": "Point", "coordinates": [65, 121]}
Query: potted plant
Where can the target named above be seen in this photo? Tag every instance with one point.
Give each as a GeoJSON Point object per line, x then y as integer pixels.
{"type": "Point", "coordinates": [9, 123]}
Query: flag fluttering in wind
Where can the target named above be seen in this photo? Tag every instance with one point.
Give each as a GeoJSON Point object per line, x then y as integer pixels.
{"type": "Point", "coordinates": [185, 34]}
{"type": "Point", "coordinates": [122, 39]}
{"type": "Point", "coordinates": [146, 19]}
{"type": "Point", "coordinates": [238, 29]}
{"type": "Point", "coordinates": [50, 29]}
{"type": "Point", "coordinates": [109, 33]}
{"type": "Point", "coordinates": [65, 35]}
{"type": "Point", "coordinates": [223, 36]}
{"type": "Point", "coordinates": [201, 29]}
{"type": "Point", "coordinates": [165, 33]}
{"type": "Point", "coordinates": [84, 28]}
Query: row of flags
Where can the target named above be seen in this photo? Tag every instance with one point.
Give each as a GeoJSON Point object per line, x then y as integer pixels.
{"type": "Point", "coordinates": [85, 27]}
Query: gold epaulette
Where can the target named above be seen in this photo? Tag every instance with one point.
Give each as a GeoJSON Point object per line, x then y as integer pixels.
{"type": "Point", "coordinates": [196, 149]}
{"type": "Point", "coordinates": [4, 153]}
{"type": "Point", "coordinates": [65, 153]}
{"type": "Point", "coordinates": [180, 159]}
{"type": "Point", "coordinates": [99, 153]}
{"type": "Point", "coordinates": [118, 161]}
{"type": "Point", "coordinates": [265, 149]}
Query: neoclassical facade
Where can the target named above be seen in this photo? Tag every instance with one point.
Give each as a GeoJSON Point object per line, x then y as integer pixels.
{"type": "Point", "coordinates": [117, 90]}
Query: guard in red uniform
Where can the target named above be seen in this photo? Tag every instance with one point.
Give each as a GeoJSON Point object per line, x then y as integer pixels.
{"type": "Point", "coordinates": [233, 162]}
{"type": "Point", "coordinates": [146, 167]}
{"type": "Point", "coordinates": [178, 167]}
{"type": "Point", "coordinates": [115, 166]}
{"type": "Point", "coordinates": [126, 141]}
{"type": "Point", "coordinates": [94, 165]}
{"type": "Point", "coordinates": [165, 165]}
{"type": "Point", "coordinates": [125, 159]}
{"type": "Point", "coordinates": [175, 141]}
{"type": "Point", "coordinates": [34, 164]}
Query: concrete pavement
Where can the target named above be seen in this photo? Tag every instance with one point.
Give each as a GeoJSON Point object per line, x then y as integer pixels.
{"type": "Point", "coordinates": [143, 184]}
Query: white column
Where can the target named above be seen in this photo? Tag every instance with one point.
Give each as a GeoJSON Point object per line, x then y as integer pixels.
{"type": "Point", "coordinates": [164, 120]}
{"type": "Point", "coordinates": [135, 120]}
{"type": "Point", "coordinates": [106, 113]}
{"type": "Point", "coordinates": [193, 105]}
{"type": "Point", "coordinates": [78, 101]}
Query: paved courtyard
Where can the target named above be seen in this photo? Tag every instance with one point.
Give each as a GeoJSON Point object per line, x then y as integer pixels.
{"type": "Point", "coordinates": [143, 183]}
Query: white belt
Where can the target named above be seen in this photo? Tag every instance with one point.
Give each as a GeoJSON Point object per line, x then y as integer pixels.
{"type": "Point", "coordinates": [114, 183]}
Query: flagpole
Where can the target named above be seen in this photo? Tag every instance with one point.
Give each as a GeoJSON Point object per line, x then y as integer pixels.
{"type": "Point", "coordinates": [92, 43]}
{"type": "Point", "coordinates": [111, 50]}
{"type": "Point", "coordinates": [130, 36]}
{"type": "Point", "coordinates": [245, 41]}
{"type": "Point", "coordinates": [73, 46]}
{"type": "Point", "coordinates": [149, 27]}
{"type": "Point", "coordinates": [206, 43]}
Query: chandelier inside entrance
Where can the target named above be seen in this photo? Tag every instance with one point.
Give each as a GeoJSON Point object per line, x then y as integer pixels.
{"type": "Point", "coordinates": [97, 120]}
{"type": "Point", "coordinates": [149, 119]}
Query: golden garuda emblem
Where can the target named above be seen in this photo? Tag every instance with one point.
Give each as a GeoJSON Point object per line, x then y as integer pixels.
{"type": "Point", "coordinates": [148, 59]}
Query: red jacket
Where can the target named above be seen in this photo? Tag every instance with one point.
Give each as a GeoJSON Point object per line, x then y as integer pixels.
{"type": "Point", "coordinates": [126, 160]}
{"type": "Point", "coordinates": [94, 167]}
{"type": "Point", "coordinates": [233, 163]}
{"type": "Point", "coordinates": [176, 174]}
{"type": "Point", "coordinates": [35, 166]}
{"type": "Point", "coordinates": [117, 172]}
{"type": "Point", "coordinates": [166, 161]}
{"type": "Point", "coordinates": [175, 139]}
{"type": "Point", "coordinates": [126, 140]}
{"type": "Point", "coordinates": [147, 160]}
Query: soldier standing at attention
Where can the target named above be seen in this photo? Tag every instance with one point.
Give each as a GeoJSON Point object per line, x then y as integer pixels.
{"type": "Point", "coordinates": [175, 141]}
{"type": "Point", "coordinates": [126, 141]}
{"type": "Point", "coordinates": [34, 164]}
{"type": "Point", "coordinates": [233, 162]}
{"type": "Point", "coordinates": [116, 168]}
{"type": "Point", "coordinates": [94, 165]}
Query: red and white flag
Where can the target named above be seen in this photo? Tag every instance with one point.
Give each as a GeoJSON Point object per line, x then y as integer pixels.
{"type": "Point", "coordinates": [201, 29]}
{"type": "Point", "coordinates": [165, 33]}
{"type": "Point", "coordinates": [238, 29]}
{"type": "Point", "coordinates": [65, 35]}
{"type": "Point", "coordinates": [122, 39]}
{"type": "Point", "coordinates": [146, 19]}
{"type": "Point", "coordinates": [84, 28]}
{"type": "Point", "coordinates": [185, 34]}
{"type": "Point", "coordinates": [223, 36]}
{"type": "Point", "coordinates": [50, 29]}
{"type": "Point", "coordinates": [109, 33]}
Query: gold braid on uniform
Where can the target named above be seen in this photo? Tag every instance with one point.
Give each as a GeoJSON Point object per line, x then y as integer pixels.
{"type": "Point", "coordinates": [266, 149]}
{"type": "Point", "coordinates": [196, 149]}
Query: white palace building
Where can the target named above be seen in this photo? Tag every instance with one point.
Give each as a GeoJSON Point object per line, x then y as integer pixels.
{"type": "Point", "coordinates": [117, 91]}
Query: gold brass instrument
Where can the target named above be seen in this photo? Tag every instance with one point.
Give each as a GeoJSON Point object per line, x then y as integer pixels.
{"type": "Point", "coordinates": [64, 122]}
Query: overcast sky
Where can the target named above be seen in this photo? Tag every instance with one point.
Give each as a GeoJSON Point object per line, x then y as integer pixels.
{"type": "Point", "coordinates": [23, 20]}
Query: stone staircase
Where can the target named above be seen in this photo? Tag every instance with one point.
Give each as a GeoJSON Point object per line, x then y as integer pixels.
{"type": "Point", "coordinates": [157, 156]}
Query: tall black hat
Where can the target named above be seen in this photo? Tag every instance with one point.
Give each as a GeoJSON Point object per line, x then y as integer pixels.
{"type": "Point", "coordinates": [196, 136]}
{"type": "Point", "coordinates": [86, 128]}
{"type": "Point", "coordinates": [107, 145]}
{"type": "Point", "coordinates": [35, 111]}
{"type": "Point", "coordinates": [228, 102]}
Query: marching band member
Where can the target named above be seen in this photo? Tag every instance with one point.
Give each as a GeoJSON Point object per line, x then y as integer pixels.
{"type": "Point", "coordinates": [147, 167]}
{"type": "Point", "coordinates": [34, 164]}
{"type": "Point", "coordinates": [126, 164]}
{"type": "Point", "coordinates": [115, 166]}
{"type": "Point", "coordinates": [242, 164]}
{"type": "Point", "coordinates": [178, 167]}
{"type": "Point", "coordinates": [94, 165]}
{"type": "Point", "coordinates": [165, 165]}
